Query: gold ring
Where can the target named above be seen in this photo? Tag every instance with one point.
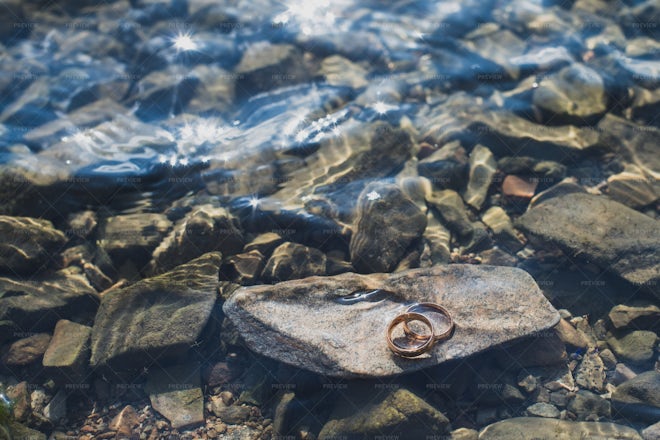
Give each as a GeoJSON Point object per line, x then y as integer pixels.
{"type": "Point", "coordinates": [417, 350]}
{"type": "Point", "coordinates": [439, 337]}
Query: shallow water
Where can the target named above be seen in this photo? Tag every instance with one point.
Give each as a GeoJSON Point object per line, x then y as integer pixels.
{"type": "Point", "coordinates": [151, 132]}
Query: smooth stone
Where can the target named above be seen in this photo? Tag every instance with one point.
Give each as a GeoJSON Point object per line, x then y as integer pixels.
{"type": "Point", "coordinates": [67, 355]}
{"type": "Point", "coordinates": [590, 373]}
{"type": "Point", "coordinates": [482, 169]}
{"type": "Point", "coordinates": [438, 239]}
{"type": "Point", "coordinates": [56, 408]}
{"type": "Point", "coordinates": [264, 243]}
{"type": "Point", "coordinates": [387, 223]}
{"type": "Point", "coordinates": [500, 223]}
{"type": "Point", "coordinates": [638, 317]}
{"type": "Point", "coordinates": [531, 428]}
{"type": "Point", "coordinates": [497, 257]}
{"type": "Point", "coordinates": [26, 351]}
{"type": "Point", "coordinates": [396, 413]}
{"type": "Point", "coordinates": [609, 360]}
{"type": "Point", "coordinates": [204, 229]}
{"type": "Point", "coordinates": [608, 233]}
{"type": "Point", "coordinates": [176, 393]}
{"type": "Point", "coordinates": [464, 434]}
{"type": "Point", "coordinates": [586, 403]}
{"type": "Point", "coordinates": [27, 244]}
{"type": "Point", "coordinates": [274, 319]}
{"type": "Point", "coordinates": [652, 432]}
{"type": "Point", "coordinates": [636, 346]}
{"type": "Point", "coordinates": [519, 187]}
{"type": "Point", "coordinates": [622, 373]}
{"type": "Point", "coordinates": [156, 319]}
{"type": "Point", "coordinates": [632, 188]}
{"type": "Point", "coordinates": [570, 335]}
{"type": "Point", "coordinates": [446, 168]}
{"type": "Point", "coordinates": [125, 422]}
{"type": "Point", "coordinates": [244, 268]}
{"type": "Point", "coordinates": [453, 213]}
{"type": "Point", "coordinates": [566, 186]}
{"type": "Point", "coordinates": [233, 414]}
{"type": "Point", "coordinates": [132, 236]}
{"type": "Point", "coordinates": [542, 409]}
{"type": "Point", "coordinates": [293, 261]}
{"type": "Point", "coordinates": [37, 304]}
{"type": "Point", "coordinates": [639, 397]}
{"type": "Point", "coordinates": [339, 71]}
{"type": "Point", "coordinates": [573, 94]}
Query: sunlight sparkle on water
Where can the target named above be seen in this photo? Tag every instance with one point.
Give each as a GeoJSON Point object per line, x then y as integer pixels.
{"type": "Point", "coordinates": [382, 107]}
{"type": "Point", "coordinates": [313, 17]}
{"type": "Point", "coordinates": [184, 42]}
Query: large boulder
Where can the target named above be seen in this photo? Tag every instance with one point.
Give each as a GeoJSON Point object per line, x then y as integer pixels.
{"type": "Point", "coordinates": [531, 428]}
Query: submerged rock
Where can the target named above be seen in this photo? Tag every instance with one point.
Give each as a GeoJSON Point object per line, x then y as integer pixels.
{"type": "Point", "coordinates": [176, 393]}
{"type": "Point", "coordinates": [608, 233]}
{"type": "Point", "coordinates": [387, 223]}
{"type": "Point", "coordinates": [639, 397]}
{"type": "Point", "coordinates": [636, 346]}
{"type": "Point", "coordinates": [482, 170]}
{"type": "Point", "coordinates": [530, 428]}
{"type": "Point", "coordinates": [132, 236]}
{"type": "Point", "coordinates": [67, 355]}
{"type": "Point", "coordinates": [292, 260]}
{"type": "Point", "coordinates": [306, 322]}
{"type": "Point", "coordinates": [27, 243]}
{"type": "Point", "coordinates": [156, 319]}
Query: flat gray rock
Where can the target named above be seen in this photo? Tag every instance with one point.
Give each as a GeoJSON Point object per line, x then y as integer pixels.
{"type": "Point", "coordinates": [608, 233]}
{"type": "Point", "coordinates": [306, 323]}
{"type": "Point", "coordinates": [156, 319]}
{"type": "Point", "coordinates": [531, 428]}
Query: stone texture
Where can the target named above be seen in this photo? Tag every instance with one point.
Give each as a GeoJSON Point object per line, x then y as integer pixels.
{"type": "Point", "coordinates": [157, 318]}
{"type": "Point", "coordinates": [530, 428]}
{"type": "Point", "coordinates": [635, 317]}
{"type": "Point", "coordinates": [542, 409]}
{"type": "Point", "coordinates": [26, 351]}
{"type": "Point", "coordinates": [636, 347]}
{"type": "Point", "coordinates": [264, 243]}
{"type": "Point", "coordinates": [570, 335]}
{"type": "Point", "coordinates": [243, 268]}
{"type": "Point", "coordinates": [482, 170]}
{"type": "Point", "coordinates": [586, 404]}
{"type": "Point", "coordinates": [608, 233]}
{"type": "Point", "coordinates": [37, 304]}
{"type": "Point", "coordinates": [503, 304]}
{"type": "Point", "coordinates": [125, 421]}
{"type": "Point", "coordinates": [399, 413]}
{"type": "Point", "coordinates": [652, 432]}
{"type": "Point", "coordinates": [438, 239]}
{"type": "Point", "coordinates": [19, 431]}
{"type": "Point", "coordinates": [232, 414]}
{"type": "Point", "coordinates": [632, 188]}
{"type": "Point", "coordinates": [643, 389]}
{"type": "Point", "coordinates": [449, 205]}
{"type": "Point", "coordinates": [132, 236]}
{"type": "Point", "coordinates": [176, 393]}
{"type": "Point", "coordinates": [27, 244]}
{"type": "Point", "coordinates": [293, 261]}
{"type": "Point", "coordinates": [387, 223]}
{"type": "Point", "coordinates": [591, 372]}
{"type": "Point", "coordinates": [446, 167]}
{"type": "Point", "coordinates": [67, 356]}
{"type": "Point", "coordinates": [500, 223]}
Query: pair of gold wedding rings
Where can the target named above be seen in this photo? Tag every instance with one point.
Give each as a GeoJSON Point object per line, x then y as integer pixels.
{"type": "Point", "coordinates": [418, 343]}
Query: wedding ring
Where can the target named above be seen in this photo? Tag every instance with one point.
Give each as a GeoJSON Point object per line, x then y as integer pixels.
{"type": "Point", "coordinates": [416, 350]}
{"type": "Point", "coordinates": [415, 308]}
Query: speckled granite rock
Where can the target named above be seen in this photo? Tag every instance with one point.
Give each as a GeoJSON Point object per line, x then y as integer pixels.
{"type": "Point", "coordinates": [398, 413]}
{"type": "Point", "coordinates": [306, 323]}
{"type": "Point", "coordinates": [27, 243]}
{"type": "Point", "coordinates": [387, 223]}
{"type": "Point", "coordinates": [531, 428]}
{"type": "Point", "coordinates": [157, 318]}
{"type": "Point", "coordinates": [608, 233]}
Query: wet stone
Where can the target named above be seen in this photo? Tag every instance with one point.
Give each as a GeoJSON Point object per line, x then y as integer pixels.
{"type": "Point", "coordinates": [267, 316]}
{"type": "Point", "coordinates": [641, 394]}
{"type": "Point", "coordinates": [67, 356]}
{"type": "Point", "coordinates": [529, 428]}
{"type": "Point", "coordinates": [446, 167]}
{"type": "Point", "coordinates": [652, 432]}
{"type": "Point", "coordinates": [438, 239]}
{"type": "Point", "coordinates": [176, 393]}
{"type": "Point", "coordinates": [398, 413]}
{"type": "Point", "coordinates": [26, 351]}
{"type": "Point", "coordinates": [449, 205]}
{"type": "Point", "coordinates": [640, 317]}
{"type": "Point", "coordinates": [632, 188]}
{"type": "Point", "coordinates": [129, 333]}
{"type": "Point", "coordinates": [132, 236]}
{"type": "Point", "coordinates": [608, 233]}
{"type": "Point", "coordinates": [125, 422]}
{"type": "Point", "coordinates": [499, 222]}
{"type": "Point", "coordinates": [571, 336]}
{"type": "Point", "coordinates": [636, 346]}
{"type": "Point", "coordinates": [542, 409]}
{"type": "Point", "coordinates": [292, 261]}
{"type": "Point", "coordinates": [586, 404]}
{"type": "Point", "coordinates": [339, 71]}
{"type": "Point", "coordinates": [591, 372]}
{"type": "Point", "coordinates": [27, 244]}
{"type": "Point", "coordinates": [482, 170]}
{"type": "Point", "coordinates": [164, 92]}
{"type": "Point", "coordinates": [81, 224]}
{"type": "Point", "coordinates": [264, 243]}
{"type": "Point", "coordinates": [243, 268]}
{"type": "Point", "coordinates": [387, 223]}
{"type": "Point", "coordinates": [232, 414]}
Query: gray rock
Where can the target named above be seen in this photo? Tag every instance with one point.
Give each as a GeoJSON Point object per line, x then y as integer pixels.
{"type": "Point", "coordinates": [244, 268]}
{"type": "Point", "coordinates": [204, 229]}
{"type": "Point", "coordinates": [446, 167]}
{"type": "Point", "coordinates": [158, 318]}
{"type": "Point", "coordinates": [571, 336]}
{"type": "Point", "coordinates": [67, 356]}
{"type": "Point", "coordinates": [542, 409]}
{"type": "Point", "coordinates": [387, 223]}
{"type": "Point", "coordinates": [632, 188]}
{"type": "Point", "coordinates": [609, 360]}
{"type": "Point", "coordinates": [586, 404]}
{"type": "Point", "coordinates": [176, 393]}
{"type": "Point", "coordinates": [652, 432]}
{"type": "Point", "coordinates": [56, 408]}
{"type": "Point", "coordinates": [566, 186]}
{"type": "Point", "coordinates": [132, 236]}
{"type": "Point", "coordinates": [591, 372]}
{"type": "Point", "coordinates": [482, 170]}
{"type": "Point", "coordinates": [449, 205]}
{"type": "Point", "coordinates": [37, 304]}
{"type": "Point", "coordinates": [399, 413]}
{"type": "Point", "coordinates": [464, 434]}
{"type": "Point", "coordinates": [609, 234]}
{"type": "Point", "coordinates": [622, 373]}
{"type": "Point", "coordinates": [638, 317]}
{"type": "Point", "coordinates": [438, 239]}
{"type": "Point", "coordinates": [636, 346]}
{"type": "Point", "coordinates": [292, 261]}
{"type": "Point", "coordinates": [264, 243]}
{"type": "Point", "coordinates": [500, 223]}
{"type": "Point", "coordinates": [275, 320]}
{"type": "Point", "coordinates": [639, 397]}
{"type": "Point", "coordinates": [232, 414]}
{"type": "Point", "coordinates": [530, 428]}
{"type": "Point", "coordinates": [27, 243]}
{"type": "Point", "coordinates": [575, 93]}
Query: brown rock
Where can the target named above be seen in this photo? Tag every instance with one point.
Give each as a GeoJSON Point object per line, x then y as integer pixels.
{"type": "Point", "coordinates": [292, 261]}
{"type": "Point", "coordinates": [515, 186]}
{"type": "Point", "coordinates": [570, 335]}
{"type": "Point", "coordinates": [637, 317]}
{"type": "Point", "coordinates": [20, 396]}
{"type": "Point", "coordinates": [27, 243]}
{"type": "Point", "coordinates": [125, 421]}
{"type": "Point", "coordinates": [27, 350]}
{"type": "Point", "coordinates": [67, 355]}
{"type": "Point", "coordinates": [243, 268]}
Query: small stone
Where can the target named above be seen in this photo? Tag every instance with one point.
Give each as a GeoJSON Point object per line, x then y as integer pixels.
{"type": "Point", "coordinates": [446, 167]}
{"type": "Point", "coordinates": [567, 186]}
{"type": "Point", "coordinates": [528, 383]}
{"type": "Point", "coordinates": [464, 434]}
{"type": "Point", "coordinates": [609, 360]}
{"type": "Point", "coordinates": [67, 356]}
{"type": "Point", "coordinates": [26, 351]}
{"type": "Point", "coordinates": [570, 335]}
{"type": "Point", "coordinates": [219, 373]}
{"type": "Point", "coordinates": [518, 187]}
{"type": "Point", "coordinates": [499, 222]}
{"type": "Point", "coordinates": [132, 236]}
{"type": "Point", "coordinates": [543, 410]}
{"type": "Point", "coordinates": [125, 422]}
{"type": "Point", "coordinates": [232, 415]}
{"type": "Point", "coordinates": [591, 372]}
{"type": "Point", "coordinates": [637, 317]}
{"type": "Point", "coordinates": [482, 170]}
{"type": "Point", "coordinates": [497, 257]}
{"type": "Point", "coordinates": [339, 71]}
{"type": "Point", "coordinates": [20, 397]}
{"type": "Point", "coordinates": [387, 223]}
{"type": "Point", "coordinates": [293, 261]}
{"type": "Point", "coordinates": [636, 346]}
{"type": "Point", "coordinates": [175, 392]}
{"type": "Point", "coordinates": [438, 239]}
{"type": "Point", "coordinates": [56, 408]}
{"type": "Point", "coordinates": [632, 188]}
{"type": "Point", "coordinates": [639, 397]}
{"type": "Point", "coordinates": [264, 243]}
{"type": "Point", "coordinates": [449, 205]}
{"type": "Point", "coordinates": [586, 404]}
{"type": "Point", "coordinates": [27, 243]}
{"type": "Point", "coordinates": [243, 268]}
{"type": "Point", "coordinates": [81, 224]}
{"type": "Point", "coordinates": [622, 373]}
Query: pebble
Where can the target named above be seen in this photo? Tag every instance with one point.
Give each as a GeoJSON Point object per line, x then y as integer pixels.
{"type": "Point", "coordinates": [543, 410]}
{"type": "Point", "coordinates": [482, 169]}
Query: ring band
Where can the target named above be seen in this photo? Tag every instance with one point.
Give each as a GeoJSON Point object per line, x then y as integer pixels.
{"type": "Point", "coordinates": [417, 350]}
{"type": "Point", "coordinates": [439, 337]}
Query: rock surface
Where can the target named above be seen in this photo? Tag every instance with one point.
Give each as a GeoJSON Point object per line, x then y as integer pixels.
{"type": "Point", "coordinates": [530, 428]}
{"type": "Point", "coordinates": [157, 318]}
{"type": "Point", "coordinates": [490, 305]}
{"type": "Point", "coordinates": [67, 355]}
{"type": "Point", "coordinates": [292, 261]}
{"type": "Point", "coordinates": [176, 393]}
{"type": "Point", "coordinates": [27, 243]}
{"type": "Point", "coordinates": [608, 233]}
{"type": "Point", "coordinates": [636, 346]}
{"type": "Point", "coordinates": [387, 223]}
{"type": "Point", "coordinates": [482, 170]}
